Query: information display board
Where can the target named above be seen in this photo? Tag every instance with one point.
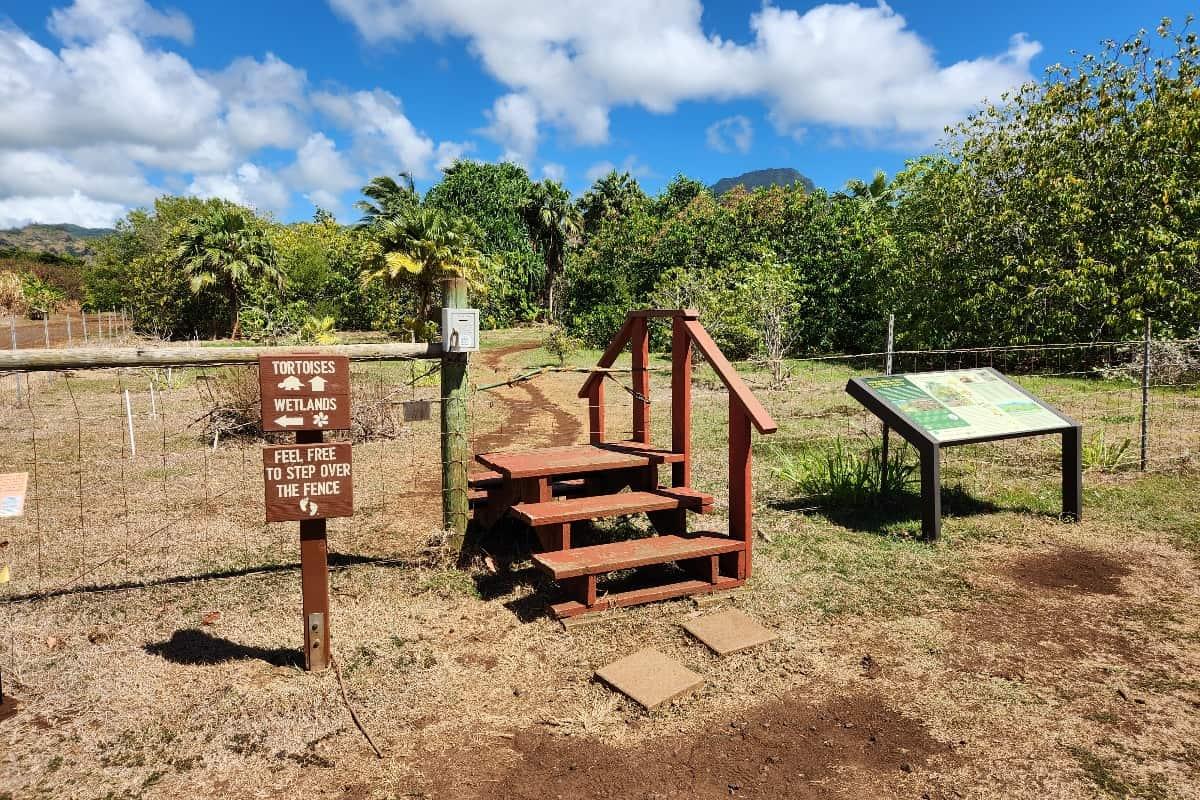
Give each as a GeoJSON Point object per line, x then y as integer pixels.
{"type": "Point", "coordinates": [932, 410]}
{"type": "Point", "coordinates": [968, 404]}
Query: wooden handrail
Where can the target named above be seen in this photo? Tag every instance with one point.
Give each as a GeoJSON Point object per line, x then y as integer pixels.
{"type": "Point", "coordinates": [728, 375]}
{"type": "Point", "coordinates": [610, 355]}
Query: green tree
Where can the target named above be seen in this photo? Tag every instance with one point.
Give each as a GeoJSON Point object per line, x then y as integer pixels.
{"type": "Point", "coordinates": [1068, 211]}
{"type": "Point", "coordinates": [553, 222]}
{"type": "Point", "coordinates": [614, 194]}
{"type": "Point", "coordinates": [226, 248]}
{"type": "Point", "coordinates": [492, 196]}
{"type": "Point", "coordinates": [387, 197]}
{"type": "Point", "coordinates": [421, 246]}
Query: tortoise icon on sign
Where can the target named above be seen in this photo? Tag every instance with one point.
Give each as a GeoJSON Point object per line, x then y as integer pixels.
{"type": "Point", "coordinates": [308, 506]}
{"type": "Point", "coordinates": [291, 383]}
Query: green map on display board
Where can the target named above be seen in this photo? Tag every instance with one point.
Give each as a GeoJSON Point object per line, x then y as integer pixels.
{"type": "Point", "coordinates": [964, 404]}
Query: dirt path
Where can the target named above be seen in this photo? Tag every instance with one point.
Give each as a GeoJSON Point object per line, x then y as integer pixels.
{"type": "Point", "coordinates": [523, 406]}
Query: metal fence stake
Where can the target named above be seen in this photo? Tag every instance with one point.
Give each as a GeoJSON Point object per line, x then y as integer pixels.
{"type": "Point", "coordinates": [1145, 448]}
{"type": "Point", "coordinates": [884, 431]}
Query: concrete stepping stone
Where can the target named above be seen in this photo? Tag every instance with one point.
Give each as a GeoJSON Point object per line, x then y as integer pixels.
{"type": "Point", "coordinates": [649, 678]}
{"type": "Point", "coordinates": [729, 631]}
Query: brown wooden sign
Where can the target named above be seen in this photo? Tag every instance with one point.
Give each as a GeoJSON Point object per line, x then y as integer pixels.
{"type": "Point", "coordinates": [304, 392]}
{"type": "Point", "coordinates": [308, 481]}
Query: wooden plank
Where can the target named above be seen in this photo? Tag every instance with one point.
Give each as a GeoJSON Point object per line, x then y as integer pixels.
{"type": "Point", "coordinates": [308, 481]}
{"type": "Point", "coordinates": [300, 391]}
{"type": "Point", "coordinates": [613, 556]}
{"type": "Point", "coordinates": [596, 421]}
{"type": "Point", "coordinates": [741, 484]}
{"type": "Point", "coordinates": [609, 356]}
{"type": "Point", "coordinates": [669, 313]}
{"type": "Point", "coordinates": [728, 375]}
{"type": "Point", "coordinates": [681, 402]}
{"type": "Point", "coordinates": [575, 509]}
{"type": "Point", "coordinates": [652, 594]}
{"type": "Point", "coordinates": [574, 459]}
{"type": "Point", "coordinates": [104, 358]}
{"type": "Point", "coordinates": [639, 343]}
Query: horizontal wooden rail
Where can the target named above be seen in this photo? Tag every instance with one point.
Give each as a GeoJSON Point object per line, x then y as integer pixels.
{"type": "Point", "coordinates": [733, 382]}
{"type": "Point", "coordinates": [107, 357]}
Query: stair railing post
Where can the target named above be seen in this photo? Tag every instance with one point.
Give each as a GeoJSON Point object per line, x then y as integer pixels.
{"type": "Point", "coordinates": [455, 445]}
{"type": "Point", "coordinates": [741, 510]}
{"type": "Point", "coordinates": [640, 345]}
{"type": "Point", "coordinates": [681, 402]}
{"type": "Point", "coordinates": [596, 412]}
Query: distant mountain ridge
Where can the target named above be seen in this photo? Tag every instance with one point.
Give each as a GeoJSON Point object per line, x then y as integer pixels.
{"type": "Point", "coordinates": [62, 239]}
{"type": "Point", "coordinates": [777, 176]}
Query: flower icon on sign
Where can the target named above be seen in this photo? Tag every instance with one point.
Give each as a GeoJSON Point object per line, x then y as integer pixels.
{"type": "Point", "coordinates": [320, 419]}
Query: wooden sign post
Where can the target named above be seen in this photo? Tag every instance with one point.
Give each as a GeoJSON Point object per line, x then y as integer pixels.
{"type": "Point", "coordinates": [309, 481]}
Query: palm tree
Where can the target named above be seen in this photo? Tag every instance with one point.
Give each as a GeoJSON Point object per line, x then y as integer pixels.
{"type": "Point", "coordinates": [617, 193]}
{"type": "Point", "coordinates": [877, 191]}
{"type": "Point", "coordinates": [422, 245]}
{"type": "Point", "coordinates": [387, 197]}
{"type": "Point", "coordinates": [226, 247]}
{"type": "Point", "coordinates": [553, 222]}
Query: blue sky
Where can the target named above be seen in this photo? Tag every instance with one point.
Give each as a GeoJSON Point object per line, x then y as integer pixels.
{"type": "Point", "coordinates": [108, 103]}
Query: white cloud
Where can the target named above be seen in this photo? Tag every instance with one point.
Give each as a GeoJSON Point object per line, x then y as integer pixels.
{"type": "Point", "coordinates": [384, 138]}
{"type": "Point", "coordinates": [838, 65]}
{"type": "Point", "coordinates": [729, 134]}
{"type": "Point", "coordinates": [18, 210]}
{"type": "Point", "coordinates": [92, 19]}
{"type": "Point", "coordinates": [630, 164]}
{"type": "Point", "coordinates": [322, 173]}
{"type": "Point", "coordinates": [83, 125]}
{"type": "Point", "coordinates": [249, 185]}
{"type": "Point", "coordinates": [554, 172]}
{"type": "Point", "coordinates": [514, 124]}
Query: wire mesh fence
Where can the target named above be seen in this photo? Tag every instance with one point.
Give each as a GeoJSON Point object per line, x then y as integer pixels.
{"type": "Point", "coordinates": [144, 476]}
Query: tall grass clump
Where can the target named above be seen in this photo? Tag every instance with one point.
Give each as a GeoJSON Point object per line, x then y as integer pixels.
{"type": "Point", "coordinates": [843, 476]}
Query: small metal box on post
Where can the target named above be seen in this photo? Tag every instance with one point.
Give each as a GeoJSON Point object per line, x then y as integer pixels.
{"type": "Point", "coordinates": [460, 337]}
{"type": "Point", "coordinates": [311, 480]}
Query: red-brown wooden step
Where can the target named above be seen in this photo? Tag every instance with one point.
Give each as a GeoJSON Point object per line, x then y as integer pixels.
{"type": "Point", "coordinates": [557, 512]}
{"type": "Point", "coordinates": [601, 558]}
{"type": "Point", "coordinates": [649, 594]}
{"type": "Point", "coordinates": [576, 459]}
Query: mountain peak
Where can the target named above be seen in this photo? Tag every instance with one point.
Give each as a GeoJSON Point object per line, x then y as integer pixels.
{"type": "Point", "coordinates": [775, 176]}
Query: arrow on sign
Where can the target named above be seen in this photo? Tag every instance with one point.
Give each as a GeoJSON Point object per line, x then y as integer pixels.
{"type": "Point", "coordinates": [317, 383]}
{"type": "Point", "coordinates": [289, 422]}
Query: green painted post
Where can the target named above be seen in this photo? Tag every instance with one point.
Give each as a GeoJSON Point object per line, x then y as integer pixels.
{"type": "Point", "coordinates": [455, 445]}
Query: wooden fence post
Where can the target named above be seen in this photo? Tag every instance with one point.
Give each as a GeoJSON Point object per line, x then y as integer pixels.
{"type": "Point", "coordinates": [456, 450]}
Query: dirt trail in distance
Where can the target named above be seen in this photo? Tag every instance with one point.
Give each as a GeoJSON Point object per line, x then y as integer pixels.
{"type": "Point", "coordinates": [521, 404]}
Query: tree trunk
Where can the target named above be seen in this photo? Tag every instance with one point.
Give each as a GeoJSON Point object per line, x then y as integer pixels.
{"type": "Point", "coordinates": [237, 313]}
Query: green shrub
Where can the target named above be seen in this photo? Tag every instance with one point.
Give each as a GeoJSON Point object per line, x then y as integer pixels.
{"type": "Point", "coordinates": [845, 477]}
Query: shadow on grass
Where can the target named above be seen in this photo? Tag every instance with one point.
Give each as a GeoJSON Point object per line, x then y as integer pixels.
{"type": "Point", "coordinates": [885, 515]}
{"type": "Point", "coordinates": [198, 648]}
{"type": "Point", "coordinates": [336, 561]}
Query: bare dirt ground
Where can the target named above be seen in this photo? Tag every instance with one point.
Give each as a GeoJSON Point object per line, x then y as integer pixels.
{"type": "Point", "coordinates": [1019, 657]}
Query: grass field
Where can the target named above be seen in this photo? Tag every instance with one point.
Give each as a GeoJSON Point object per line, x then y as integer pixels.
{"type": "Point", "coordinates": [1019, 656]}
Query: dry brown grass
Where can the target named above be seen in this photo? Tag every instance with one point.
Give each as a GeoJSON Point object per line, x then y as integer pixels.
{"type": "Point", "coordinates": [1032, 689]}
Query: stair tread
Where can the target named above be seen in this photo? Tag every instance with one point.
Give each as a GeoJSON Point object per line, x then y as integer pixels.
{"type": "Point", "coordinates": [576, 459]}
{"type": "Point", "coordinates": [613, 556]}
{"type": "Point", "coordinates": [554, 512]}
{"type": "Point", "coordinates": [648, 594]}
